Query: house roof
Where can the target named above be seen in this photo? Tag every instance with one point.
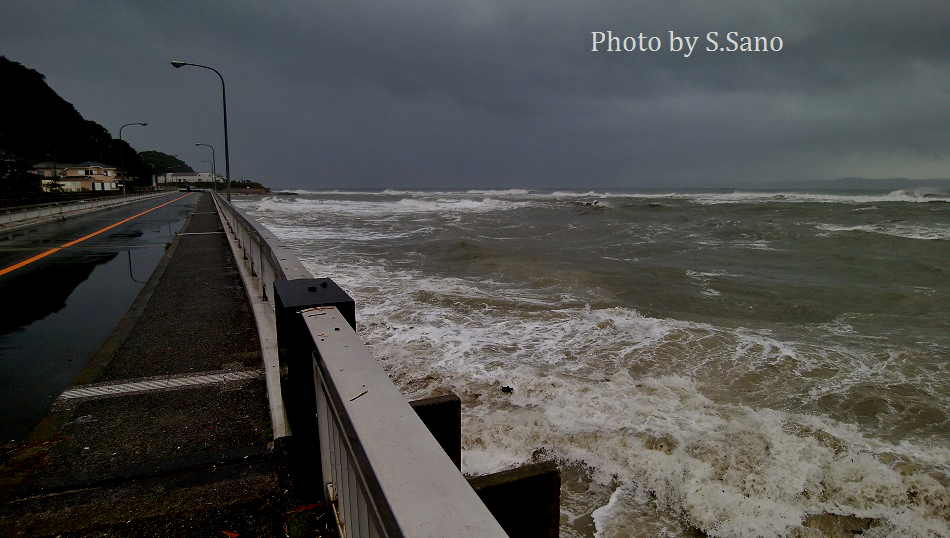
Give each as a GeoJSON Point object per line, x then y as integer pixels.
{"type": "Point", "coordinates": [90, 164]}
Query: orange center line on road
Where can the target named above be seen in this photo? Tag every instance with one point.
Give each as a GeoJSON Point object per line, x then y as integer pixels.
{"type": "Point", "coordinates": [42, 255]}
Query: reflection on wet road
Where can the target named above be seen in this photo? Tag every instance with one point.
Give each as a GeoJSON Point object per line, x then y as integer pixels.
{"type": "Point", "coordinates": [60, 308]}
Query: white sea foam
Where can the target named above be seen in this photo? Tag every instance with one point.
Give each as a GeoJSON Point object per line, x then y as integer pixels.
{"type": "Point", "coordinates": [703, 279]}
{"type": "Point", "coordinates": [896, 229]}
{"type": "Point", "coordinates": [467, 205]}
{"type": "Point", "coordinates": [922, 195]}
{"type": "Point", "coordinates": [503, 192]}
{"type": "Point", "coordinates": [383, 207]}
{"type": "Point", "coordinates": [589, 194]}
{"type": "Point", "coordinates": [606, 512]}
{"type": "Point", "coordinates": [335, 192]}
{"type": "Point", "coordinates": [729, 469]}
{"type": "Point", "coordinates": [396, 202]}
{"type": "Point", "coordinates": [781, 197]}
{"type": "Point", "coordinates": [795, 197]}
{"type": "Point", "coordinates": [679, 423]}
{"type": "Point", "coordinates": [799, 197]}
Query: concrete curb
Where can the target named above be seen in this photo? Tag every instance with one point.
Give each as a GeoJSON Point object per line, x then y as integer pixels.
{"type": "Point", "coordinates": [266, 320]}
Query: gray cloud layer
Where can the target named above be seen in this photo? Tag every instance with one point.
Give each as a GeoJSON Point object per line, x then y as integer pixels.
{"type": "Point", "coordinates": [500, 93]}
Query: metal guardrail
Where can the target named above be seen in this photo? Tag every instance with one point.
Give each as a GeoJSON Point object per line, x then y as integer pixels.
{"type": "Point", "coordinates": [269, 259]}
{"type": "Point", "coordinates": [380, 467]}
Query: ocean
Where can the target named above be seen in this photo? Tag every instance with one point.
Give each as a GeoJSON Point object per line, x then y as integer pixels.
{"type": "Point", "coordinates": [718, 363]}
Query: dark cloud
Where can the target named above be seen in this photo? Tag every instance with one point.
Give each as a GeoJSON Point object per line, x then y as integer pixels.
{"type": "Point", "coordinates": [497, 93]}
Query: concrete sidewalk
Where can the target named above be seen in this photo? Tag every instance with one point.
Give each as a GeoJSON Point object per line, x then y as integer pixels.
{"type": "Point", "coordinates": [167, 431]}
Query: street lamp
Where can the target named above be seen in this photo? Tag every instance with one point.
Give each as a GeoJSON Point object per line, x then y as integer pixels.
{"type": "Point", "coordinates": [224, 101]}
{"type": "Point", "coordinates": [214, 175]}
{"type": "Point", "coordinates": [121, 157]}
{"type": "Point", "coordinates": [212, 168]}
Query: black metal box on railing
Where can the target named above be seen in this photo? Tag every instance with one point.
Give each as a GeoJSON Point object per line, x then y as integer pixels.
{"type": "Point", "coordinates": [295, 351]}
{"type": "Point", "coordinates": [297, 295]}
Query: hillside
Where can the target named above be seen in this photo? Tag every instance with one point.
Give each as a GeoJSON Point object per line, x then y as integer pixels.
{"type": "Point", "coordinates": [38, 125]}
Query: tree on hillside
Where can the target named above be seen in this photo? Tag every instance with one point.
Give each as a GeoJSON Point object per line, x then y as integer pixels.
{"type": "Point", "coordinates": [37, 125]}
{"type": "Point", "coordinates": [16, 174]}
{"type": "Point", "coordinates": [162, 163]}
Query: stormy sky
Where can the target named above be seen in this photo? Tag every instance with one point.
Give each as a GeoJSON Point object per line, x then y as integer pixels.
{"type": "Point", "coordinates": [504, 93]}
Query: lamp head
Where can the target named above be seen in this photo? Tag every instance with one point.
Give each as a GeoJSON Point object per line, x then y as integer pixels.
{"type": "Point", "coordinates": [178, 64]}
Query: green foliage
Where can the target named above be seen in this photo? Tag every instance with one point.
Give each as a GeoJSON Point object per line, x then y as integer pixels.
{"type": "Point", "coordinates": [162, 163]}
{"type": "Point", "coordinates": [247, 184]}
{"type": "Point", "coordinates": [37, 125]}
{"type": "Point", "coordinates": [16, 175]}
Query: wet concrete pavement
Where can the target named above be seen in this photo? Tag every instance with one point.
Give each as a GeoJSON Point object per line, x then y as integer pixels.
{"type": "Point", "coordinates": [59, 309]}
{"type": "Point", "coordinates": [166, 432]}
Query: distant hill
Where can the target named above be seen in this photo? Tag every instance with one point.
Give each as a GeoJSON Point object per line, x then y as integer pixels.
{"type": "Point", "coordinates": [162, 163]}
{"type": "Point", "coordinates": [37, 125]}
{"type": "Point", "coordinates": [864, 184]}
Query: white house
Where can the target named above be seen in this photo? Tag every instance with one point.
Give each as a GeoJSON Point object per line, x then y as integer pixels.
{"type": "Point", "coordinates": [172, 178]}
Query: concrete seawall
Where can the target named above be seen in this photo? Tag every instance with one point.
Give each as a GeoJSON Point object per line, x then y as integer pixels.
{"type": "Point", "coordinates": [15, 218]}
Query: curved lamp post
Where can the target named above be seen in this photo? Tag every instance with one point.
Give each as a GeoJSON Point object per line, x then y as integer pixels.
{"type": "Point", "coordinates": [224, 101]}
{"type": "Point", "coordinates": [121, 157]}
{"type": "Point", "coordinates": [214, 174]}
{"type": "Point", "coordinates": [212, 168]}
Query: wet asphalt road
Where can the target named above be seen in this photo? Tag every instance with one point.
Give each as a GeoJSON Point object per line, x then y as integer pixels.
{"type": "Point", "coordinates": [58, 310]}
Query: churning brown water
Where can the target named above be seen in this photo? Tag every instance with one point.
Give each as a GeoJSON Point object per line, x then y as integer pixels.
{"type": "Point", "coordinates": [727, 363]}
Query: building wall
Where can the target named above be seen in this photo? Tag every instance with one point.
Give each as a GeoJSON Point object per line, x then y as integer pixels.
{"type": "Point", "coordinates": [75, 178]}
{"type": "Point", "coordinates": [69, 184]}
{"type": "Point", "coordinates": [173, 178]}
{"type": "Point", "coordinates": [93, 173]}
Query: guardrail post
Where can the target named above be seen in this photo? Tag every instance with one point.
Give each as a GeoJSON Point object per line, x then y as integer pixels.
{"type": "Point", "coordinates": [443, 416]}
{"type": "Point", "coordinates": [526, 501]}
{"type": "Point", "coordinates": [295, 352]}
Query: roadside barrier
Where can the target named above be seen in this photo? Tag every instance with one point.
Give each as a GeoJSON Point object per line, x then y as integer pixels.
{"type": "Point", "coordinates": [349, 436]}
{"type": "Point", "coordinates": [40, 212]}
